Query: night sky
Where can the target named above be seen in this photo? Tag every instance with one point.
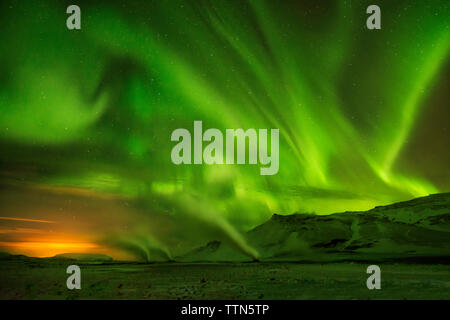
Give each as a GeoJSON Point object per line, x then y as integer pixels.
{"type": "Point", "coordinates": [86, 117]}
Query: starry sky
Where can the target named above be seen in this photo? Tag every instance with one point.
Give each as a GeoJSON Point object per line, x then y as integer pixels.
{"type": "Point", "coordinates": [86, 117]}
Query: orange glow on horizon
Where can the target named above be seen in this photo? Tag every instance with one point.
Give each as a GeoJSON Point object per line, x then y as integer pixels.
{"type": "Point", "coordinates": [48, 248]}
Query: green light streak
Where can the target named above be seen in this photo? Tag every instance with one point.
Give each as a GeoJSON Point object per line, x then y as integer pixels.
{"type": "Point", "coordinates": [105, 100]}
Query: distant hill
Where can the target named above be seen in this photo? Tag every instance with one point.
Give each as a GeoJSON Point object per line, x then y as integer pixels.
{"type": "Point", "coordinates": [83, 257]}
{"type": "Point", "coordinates": [413, 229]}
{"type": "Point", "coordinates": [8, 256]}
{"type": "Point", "coordinates": [64, 256]}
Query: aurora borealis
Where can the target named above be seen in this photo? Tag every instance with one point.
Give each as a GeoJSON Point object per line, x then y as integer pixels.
{"type": "Point", "coordinates": [86, 117]}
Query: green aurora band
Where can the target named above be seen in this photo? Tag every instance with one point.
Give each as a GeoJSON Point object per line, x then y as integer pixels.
{"type": "Point", "coordinates": [94, 109]}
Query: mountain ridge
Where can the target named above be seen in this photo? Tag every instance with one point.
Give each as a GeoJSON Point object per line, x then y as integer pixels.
{"type": "Point", "coordinates": [409, 229]}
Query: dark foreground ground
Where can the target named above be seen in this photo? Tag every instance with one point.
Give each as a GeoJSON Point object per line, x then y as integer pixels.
{"type": "Point", "coordinates": [47, 280]}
